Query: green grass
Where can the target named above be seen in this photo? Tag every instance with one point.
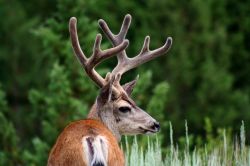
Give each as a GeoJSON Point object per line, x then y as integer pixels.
{"type": "Point", "coordinates": [224, 152]}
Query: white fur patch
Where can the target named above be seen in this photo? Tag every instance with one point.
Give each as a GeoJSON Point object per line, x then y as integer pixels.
{"type": "Point", "coordinates": [95, 149]}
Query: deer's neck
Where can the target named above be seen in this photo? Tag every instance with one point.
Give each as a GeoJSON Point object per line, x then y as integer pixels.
{"type": "Point", "coordinates": [107, 118]}
{"type": "Point", "coordinates": [93, 113]}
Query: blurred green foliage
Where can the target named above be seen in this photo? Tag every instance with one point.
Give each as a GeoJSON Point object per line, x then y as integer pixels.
{"type": "Point", "coordinates": [204, 79]}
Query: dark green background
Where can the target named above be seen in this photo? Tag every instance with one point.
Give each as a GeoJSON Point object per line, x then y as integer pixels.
{"type": "Point", "coordinates": [204, 79]}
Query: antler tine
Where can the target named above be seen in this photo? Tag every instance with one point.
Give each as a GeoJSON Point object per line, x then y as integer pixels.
{"type": "Point", "coordinates": [75, 42]}
{"type": "Point", "coordinates": [144, 56]}
{"type": "Point", "coordinates": [104, 27]}
{"type": "Point", "coordinates": [124, 28]}
{"type": "Point", "coordinates": [97, 56]}
{"type": "Point", "coordinates": [117, 39]}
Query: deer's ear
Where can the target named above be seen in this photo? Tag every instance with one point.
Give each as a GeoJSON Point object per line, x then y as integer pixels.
{"type": "Point", "coordinates": [105, 95]}
{"type": "Point", "coordinates": [128, 87]}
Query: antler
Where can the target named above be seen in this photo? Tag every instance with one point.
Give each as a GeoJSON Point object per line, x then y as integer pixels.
{"type": "Point", "coordinates": [124, 62]}
{"type": "Point", "coordinates": [98, 55]}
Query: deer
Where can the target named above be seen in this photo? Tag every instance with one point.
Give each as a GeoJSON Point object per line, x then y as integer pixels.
{"type": "Point", "coordinates": [94, 141]}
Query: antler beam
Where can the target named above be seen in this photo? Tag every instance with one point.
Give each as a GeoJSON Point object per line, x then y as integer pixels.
{"type": "Point", "coordinates": [98, 55]}
{"type": "Point", "coordinates": [124, 62]}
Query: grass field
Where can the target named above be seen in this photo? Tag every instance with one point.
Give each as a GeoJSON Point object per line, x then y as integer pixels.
{"type": "Point", "coordinates": [224, 153]}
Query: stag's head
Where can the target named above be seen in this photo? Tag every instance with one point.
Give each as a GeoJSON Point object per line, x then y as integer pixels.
{"type": "Point", "coordinates": [114, 105]}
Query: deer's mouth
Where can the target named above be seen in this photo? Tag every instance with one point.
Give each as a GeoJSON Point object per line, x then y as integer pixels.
{"type": "Point", "coordinates": [148, 131]}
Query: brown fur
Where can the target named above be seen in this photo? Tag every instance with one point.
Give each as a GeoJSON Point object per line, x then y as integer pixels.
{"type": "Point", "coordinates": [68, 149]}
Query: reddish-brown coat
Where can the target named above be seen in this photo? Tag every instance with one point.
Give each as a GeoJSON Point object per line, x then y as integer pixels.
{"type": "Point", "coordinates": [68, 149]}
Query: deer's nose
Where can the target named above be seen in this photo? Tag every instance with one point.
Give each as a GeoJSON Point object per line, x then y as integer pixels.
{"type": "Point", "coordinates": [156, 126]}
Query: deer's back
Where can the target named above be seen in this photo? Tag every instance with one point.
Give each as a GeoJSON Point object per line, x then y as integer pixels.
{"type": "Point", "coordinates": [86, 142]}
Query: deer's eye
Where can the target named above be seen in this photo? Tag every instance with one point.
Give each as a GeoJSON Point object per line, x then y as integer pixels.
{"type": "Point", "coordinates": [124, 109]}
